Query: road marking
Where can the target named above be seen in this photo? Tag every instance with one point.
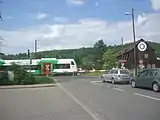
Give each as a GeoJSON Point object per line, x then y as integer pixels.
{"type": "Point", "coordinates": [96, 114]}
{"type": "Point", "coordinates": [119, 89]}
{"type": "Point", "coordinates": [96, 83]}
{"type": "Point", "coordinates": [147, 96]}
{"type": "Point", "coordinates": [78, 102]}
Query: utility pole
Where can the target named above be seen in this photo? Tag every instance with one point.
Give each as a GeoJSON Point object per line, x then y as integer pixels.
{"type": "Point", "coordinates": [134, 38]}
{"type": "Point", "coordinates": [1, 20]}
{"type": "Point", "coordinates": [30, 58]}
{"type": "Point", "coordinates": [0, 12]}
{"type": "Point", "coordinates": [35, 48]}
{"type": "Point", "coordinates": [122, 47]}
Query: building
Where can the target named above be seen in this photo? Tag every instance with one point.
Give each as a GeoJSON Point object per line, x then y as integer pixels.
{"type": "Point", "coordinates": [145, 55]}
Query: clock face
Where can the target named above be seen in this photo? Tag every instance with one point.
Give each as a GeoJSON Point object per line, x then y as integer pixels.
{"type": "Point", "coordinates": [142, 46]}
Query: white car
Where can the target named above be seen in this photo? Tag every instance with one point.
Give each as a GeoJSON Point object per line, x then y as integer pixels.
{"type": "Point", "coordinates": [117, 76]}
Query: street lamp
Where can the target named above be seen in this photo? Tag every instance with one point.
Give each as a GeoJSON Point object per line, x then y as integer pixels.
{"type": "Point", "coordinates": [134, 38]}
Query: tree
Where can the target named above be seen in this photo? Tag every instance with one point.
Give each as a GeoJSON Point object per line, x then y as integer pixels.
{"type": "Point", "coordinates": [101, 46]}
{"type": "Point", "coordinates": [78, 59]}
{"type": "Point", "coordinates": [109, 60]}
{"type": "Point", "coordinates": [86, 63]}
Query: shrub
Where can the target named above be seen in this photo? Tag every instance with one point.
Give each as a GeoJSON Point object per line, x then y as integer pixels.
{"type": "Point", "coordinates": [44, 79]}
{"type": "Point", "coordinates": [29, 79]}
{"type": "Point", "coordinates": [21, 76]}
{"type": "Point", "coordinates": [4, 79]}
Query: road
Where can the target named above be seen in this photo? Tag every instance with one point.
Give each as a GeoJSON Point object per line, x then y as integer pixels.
{"type": "Point", "coordinates": [80, 98]}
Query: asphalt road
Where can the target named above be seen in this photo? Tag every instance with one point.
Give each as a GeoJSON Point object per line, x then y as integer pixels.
{"type": "Point", "coordinates": [80, 98]}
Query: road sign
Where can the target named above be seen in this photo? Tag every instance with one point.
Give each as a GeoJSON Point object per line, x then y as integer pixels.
{"type": "Point", "coordinates": [122, 64]}
{"type": "Point", "coordinates": [140, 61]}
{"type": "Point", "coordinates": [142, 46]}
{"type": "Point", "coordinates": [46, 68]}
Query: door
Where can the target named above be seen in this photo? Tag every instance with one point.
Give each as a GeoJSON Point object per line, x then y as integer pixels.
{"type": "Point", "coordinates": [109, 75]}
{"type": "Point", "coordinates": [142, 78]}
{"type": "Point", "coordinates": [115, 74]}
{"type": "Point", "coordinates": [151, 76]}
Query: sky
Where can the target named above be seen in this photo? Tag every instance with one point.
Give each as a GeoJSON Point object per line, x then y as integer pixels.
{"type": "Point", "coordinates": [68, 24]}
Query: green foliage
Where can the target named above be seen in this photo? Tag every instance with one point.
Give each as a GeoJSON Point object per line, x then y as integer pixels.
{"type": "Point", "coordinates": [78, 59]}
{"type": "Point", "coordinates": [29, 79]}
{"type": "Point", "coordinates": [22, 77]}
{"type": "Point", "coordinates": [43, 80]}
{"type": "Point", "coordinates": [86, 63]}
{"type": "Point", "coordinates": [109, 60]}
{"type": "Point", "coordinates": [4, 79]}
{"type": "Point", "coordinates": [96, 73]}
{"type": "Point", "coordinates": [20, 74]}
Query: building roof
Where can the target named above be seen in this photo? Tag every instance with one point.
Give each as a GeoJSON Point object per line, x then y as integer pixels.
{"type": "Point", "coordinates": [131, 47]}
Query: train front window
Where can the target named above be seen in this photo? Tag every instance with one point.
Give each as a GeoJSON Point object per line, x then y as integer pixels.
{"type": "Point", "coordinates": [72, 63]}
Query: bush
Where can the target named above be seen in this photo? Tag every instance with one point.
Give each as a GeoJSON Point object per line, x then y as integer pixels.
{"type": "Point", "coordinates": [29, 79]}
{"type": "Point", "coordinates": [4, 79]}
{"type": "Point", "coordinates": [43, 79]}
{"type": "Point", "coordinates": [22, 77]}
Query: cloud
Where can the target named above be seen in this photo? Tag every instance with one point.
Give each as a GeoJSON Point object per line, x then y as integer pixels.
{"type": "Point", "coordinates": [60, 19]}
{"type": "Point", "coordinates": [155, 4]}
{"type": "Point", "coordinates": [83, 33]}
{"type": "Point", "coordinates": [39, 15]}
{"type": "Point", "coordinates": [75, 2]}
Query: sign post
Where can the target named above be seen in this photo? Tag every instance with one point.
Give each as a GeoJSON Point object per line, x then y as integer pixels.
{"type": "Point", "coordinates": [30, 62]}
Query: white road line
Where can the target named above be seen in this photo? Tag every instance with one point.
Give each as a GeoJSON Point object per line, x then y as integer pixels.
{"type": "Point", "coordinates": [147, 96]}
{"type": "Point", "coordinates": [78, 102]}
{"type": "Point", "coordinates": [96, 83]}
{"type": "Point", "coordinates": [119, 89]}
{"type": "Point", "coordinates": [96, 114]}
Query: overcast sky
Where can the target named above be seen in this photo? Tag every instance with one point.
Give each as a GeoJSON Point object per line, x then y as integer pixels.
{"type": "Point", "coordinates": [61, 24]}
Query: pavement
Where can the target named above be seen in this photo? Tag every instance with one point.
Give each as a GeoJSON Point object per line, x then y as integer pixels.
{"type": "Point", "coordinates": [26, 86]}
{"type": "Point", "coordinates": [80, 98]}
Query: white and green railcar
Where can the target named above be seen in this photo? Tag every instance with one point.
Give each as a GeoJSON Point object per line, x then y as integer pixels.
{"type": "Point", "coordinates": [43, 66]}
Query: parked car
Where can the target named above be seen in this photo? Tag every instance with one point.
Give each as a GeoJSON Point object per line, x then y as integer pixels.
{"type": "Point", "coordinates": [117, 75]}
{"type": "Point", "coordinates": [148, 78]}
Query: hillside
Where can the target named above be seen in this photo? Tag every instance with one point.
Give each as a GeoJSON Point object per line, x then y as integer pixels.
{"type": "Point", "coordinates": [85, 57]}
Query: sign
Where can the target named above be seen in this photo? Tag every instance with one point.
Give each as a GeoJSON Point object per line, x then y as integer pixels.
{"type": "Point", "coordinates": [141, 66]}
{"type": "Point", "coordinates": [46, 68]}
{"type": "Point", "coordinates": [122, 64]}
{"type": "Point", "coordinates": [122, 61]}
{"type": "Point", "coordinates": [140, 61]}
{"type": "Point", "coordinates": [142, 46]}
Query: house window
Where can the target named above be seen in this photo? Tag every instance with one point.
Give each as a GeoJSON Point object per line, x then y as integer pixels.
{"type": "Point", "coordinates": [148, 65]}
{"type": "Point", "coordinates": [153, 66]}
{"type": "Point", "coordinates": [146, 55]}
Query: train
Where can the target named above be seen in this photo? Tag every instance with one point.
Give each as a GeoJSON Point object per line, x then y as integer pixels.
{"type": "Point", "coordinates": [43, 66]}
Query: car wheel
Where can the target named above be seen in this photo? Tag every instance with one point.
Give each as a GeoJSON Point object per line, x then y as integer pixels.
{"type": "Point", "coordinates": [113, 81]}
{"type": "Point", "coordinates": [155, 87]}
{"type": "Point", "coordinates": [102, 79]}
{"type": "Point", "coordinates": [133, 83]}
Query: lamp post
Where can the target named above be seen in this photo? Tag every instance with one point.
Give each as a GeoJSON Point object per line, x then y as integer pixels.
{"type": "Point", "coordinates": [134, 39]}
{"type": "Point", "coordinates": [35, 48]}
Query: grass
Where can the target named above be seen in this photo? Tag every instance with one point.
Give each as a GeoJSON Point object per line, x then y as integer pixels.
{"type": "Point", "coordinates": [96, 73]}
{"type": "Point", "coordinates": [44, 80]}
